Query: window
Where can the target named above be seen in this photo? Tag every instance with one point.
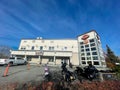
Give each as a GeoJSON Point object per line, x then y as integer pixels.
{"type": "Point", "coordinates": [88, 54]}
{"type": "Point", "coordinates": [32, 48]}
{"type": "Point", "coordinates": [33, 41]}
{"type": "Point", "coordinates": [91, 40]}
{"type": "Point", "coordinates": [51, 59]}
{"type": "Point", "coordinates": [83, 58]}
{"type": "Point", "coordinates": [23, 48]}
{"type": "Point", "coordinates": [96, 63]}
{"type": "Point", "coordinates": [82, 46]}
{"type": "Point", "coordinates": [12, 58]}
{"type": "Point", "coordinates": [88, 58]}
{"type": "Point", "coordinates": [93, 49]}
{"type": "Point", "coordinates": [95, 58]}
{"type": "Point", "coordinates": [82, 54]}
{"type": "Point", "coordinates": [81, 42]}
{"type": "Point", "coordinates": [83, 62]}
{"type": "Point", "coordinates": [65, 48]}
{"type": "Point", "coordinates": [41, 47]}
{"type": "Point", "coordinates": [93, 44]}
{"type": "Point", "coordinates": [51, 48]}
{"type": "Point", "coordinates": [87, 49]}
{"type": "Point", "coordinates": [19, 58]}
{"type": "Point", "coordinates": [86, 45]}
{"type": "Point", "coordinates": [94, 53]}
{"type": "Point", "coordinates": [82, 50]}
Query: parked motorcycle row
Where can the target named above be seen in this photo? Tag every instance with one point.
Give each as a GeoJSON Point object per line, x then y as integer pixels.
{"type": "Point", "coordinates": [88, 72]}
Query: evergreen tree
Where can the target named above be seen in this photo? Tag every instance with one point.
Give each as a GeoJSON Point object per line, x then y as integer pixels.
{"type": "Point", "coordinates": [112, 57]}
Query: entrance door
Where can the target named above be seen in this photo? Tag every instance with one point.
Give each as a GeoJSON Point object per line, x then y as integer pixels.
{"type": "Point", "coordinates": [65, 60]}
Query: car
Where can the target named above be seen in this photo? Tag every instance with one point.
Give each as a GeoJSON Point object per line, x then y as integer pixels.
{"type": "Point", "coordinates": [3, 61]}
{"type": "Point", "coordinates": [13, 61]}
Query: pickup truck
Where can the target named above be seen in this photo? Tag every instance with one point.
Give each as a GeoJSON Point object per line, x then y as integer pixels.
{"type": "Point", "coordinates": [13, 61]}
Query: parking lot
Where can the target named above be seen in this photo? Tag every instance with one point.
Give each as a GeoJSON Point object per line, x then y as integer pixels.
{"type": "Point", "coordinates": [21, 74]}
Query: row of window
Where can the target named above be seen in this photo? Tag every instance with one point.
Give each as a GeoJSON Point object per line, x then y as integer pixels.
{"type": "Point", "coordinates": [87, 46]}
{"type": "Point", "coordinates": [94, 63]}
{"type": "Point", "coordinates": [88, 53]}
{"type": "Point", "coordinates": [91, 41]}
{"type": "Point", "coordinates": [88, 49]}
{"type": "Point", "coordinates": [41, 48]}
{"type": "Point", "coordinates": [89, 58]}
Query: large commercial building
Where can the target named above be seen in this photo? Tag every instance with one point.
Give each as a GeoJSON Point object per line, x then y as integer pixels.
{"type": "Point", "coordinates": [90, 49]}
{"type": "Point", "coordinates": [86, 47]}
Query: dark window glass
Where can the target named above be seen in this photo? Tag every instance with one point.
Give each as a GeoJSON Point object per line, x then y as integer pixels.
{"type": "Point", "coordinates": [94, 53]}
{"type": "Point", "coordinates": [82, 46]}
{"type": "Point", "coordinates": [51, 48]}
{"type": "Point", "coordinates": [92, 40]}
{"type": "Point", "coordinates": [82, 50]}
{"type": "Point", "coordinates": [88, 54]}
{"type": "Point", "coordinates": [20, 58]}
{"type": "Point", "coordinates": [92, 49]}
{"type": "Point", "coordinates": [96, 63]}
{"type": "Point", "coordinates": [65, 48]}
{"type": "Point", "coordinates": [87, 49]}
{"type": "Point", "coordinates": [88, 58]}
{"type": "Point", "coordinates": [95, 58]}
{"type": "Point", "coordinates": [83, 58]}
{"type": "Point", "coordinates": [32, 48]}
{"type": "Point", "coordinates": [93, 44]}
{"type": "Point", "coordinates": [81, 42]}
{"type": "Point", "coordinates": [41, 47]}
{"type": "Point", "coordinates": [12, 58]}
{"type": "Point", "coordinates": [82, 54]}
{"type": "Point", "coordinates": [51, 59]}
{"type": "Point", "coordinates": [83, 62]}
{"type": "Point", "coordinates": [86, 45]}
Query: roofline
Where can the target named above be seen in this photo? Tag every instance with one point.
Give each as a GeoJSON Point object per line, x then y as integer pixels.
{"type": "Point", "coordinates": [45, 39]}
{"type": "Point", "coordinates": [88, 32]}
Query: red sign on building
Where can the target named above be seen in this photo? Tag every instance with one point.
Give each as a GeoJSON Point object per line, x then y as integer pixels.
{"type": "Point", "coordinates": [85, 37]}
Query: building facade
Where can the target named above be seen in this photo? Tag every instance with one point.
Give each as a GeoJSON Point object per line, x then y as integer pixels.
{"type": "Point", "coordinates": [90, 49]}
{"type": "Point", "coordinates": [49, 51]}
{"type": "Point", "coordinates": [87, 47]}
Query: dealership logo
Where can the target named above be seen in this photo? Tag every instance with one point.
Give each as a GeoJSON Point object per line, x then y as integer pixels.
{"type": "Point", "coordinates": [85, 37]}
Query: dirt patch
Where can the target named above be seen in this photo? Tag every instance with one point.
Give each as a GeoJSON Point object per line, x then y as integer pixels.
{"type": "Point", "coordinates": [57, 83]}
{"type": "Point", "coordinates": [51, 85]}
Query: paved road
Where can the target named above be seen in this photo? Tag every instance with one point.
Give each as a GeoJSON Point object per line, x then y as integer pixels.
{"type": "Point", "coordinates": [21, 74]}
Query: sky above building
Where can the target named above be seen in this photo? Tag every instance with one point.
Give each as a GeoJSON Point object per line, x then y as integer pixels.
{"type": "Point", "coordinates": [59, 19]}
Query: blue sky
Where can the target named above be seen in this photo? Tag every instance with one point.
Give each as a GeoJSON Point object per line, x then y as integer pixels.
{"type": "Point", "coordinates": [59, 19]}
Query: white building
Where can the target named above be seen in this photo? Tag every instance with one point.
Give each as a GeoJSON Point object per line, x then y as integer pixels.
{"type": "Point", "coordinates": [90, 49]}
{"type": "Point", "coordinates": [49, 51]}
{"type": "Point", "coordinates": [87, 47]}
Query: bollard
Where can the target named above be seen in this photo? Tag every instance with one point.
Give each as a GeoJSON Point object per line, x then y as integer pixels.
{"type": "Point", "coordinates": [101, 77]}
{"type": "Point", "coordinates": [6, 70]}
{"type": "Point", "coordinates": [28, 66]}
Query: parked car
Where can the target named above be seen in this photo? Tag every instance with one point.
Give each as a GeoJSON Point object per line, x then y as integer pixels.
{"type": "Point", "coordinates": [13, 61]}
{"type": "Point", "coordinates": [3, 61]}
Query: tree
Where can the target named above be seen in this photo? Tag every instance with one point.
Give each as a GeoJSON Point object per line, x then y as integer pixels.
{"type": "Point", "coordinates": [4, 51]}
{"type": "Point", "coordinates": [109, 63]}
{"type": "Point", "coordinates": [110, 54]}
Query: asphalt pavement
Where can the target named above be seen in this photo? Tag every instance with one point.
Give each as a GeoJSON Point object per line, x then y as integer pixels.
{"type": "Point", "coordinates": [21, 74]}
